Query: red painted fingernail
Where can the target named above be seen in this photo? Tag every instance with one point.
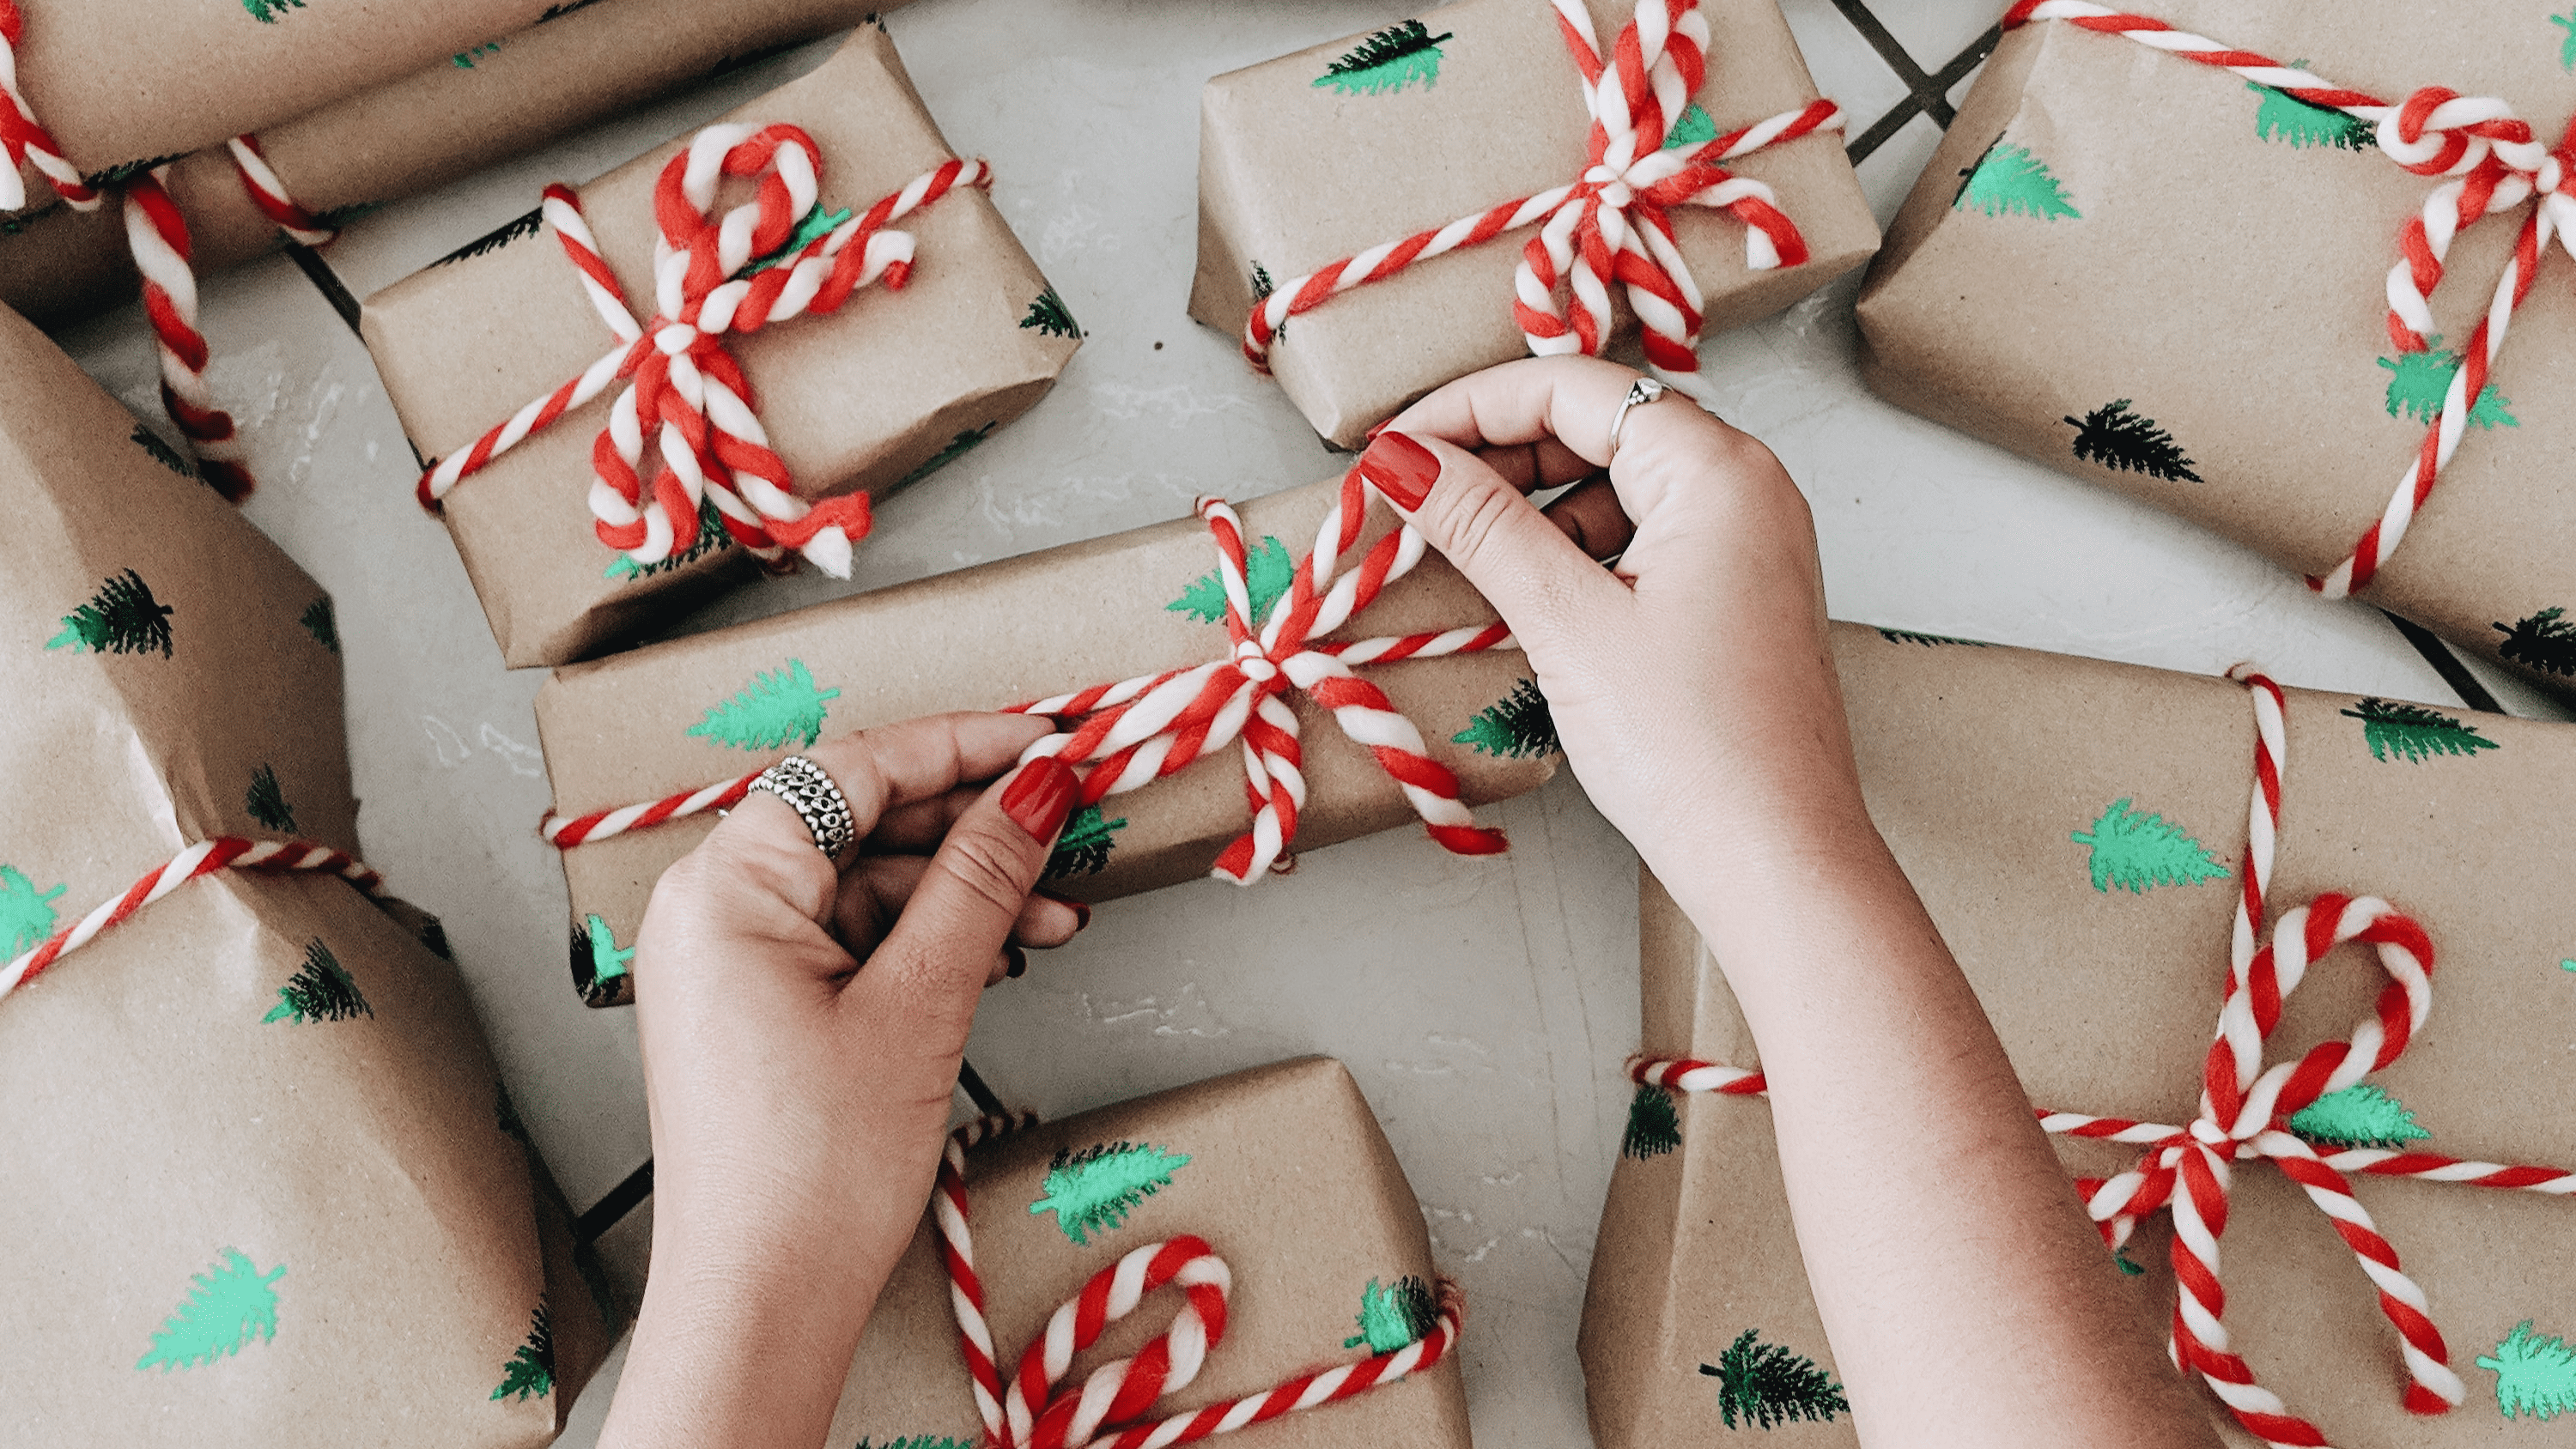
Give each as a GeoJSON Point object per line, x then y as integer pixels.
{"type": "Point", "coordinates": [1081, 912]}
{"type": "Point", "coordinates": [1039, 797]}
{"type": "Point", "coordinates": [1019, 960]}
{"type": "Point", "coordinates": [1402, 469]}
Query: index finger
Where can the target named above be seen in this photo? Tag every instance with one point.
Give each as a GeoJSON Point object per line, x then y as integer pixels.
{"type": "Point", "coordinates": [891, 766]}
{"type": "Point", "coordinates": [1569, 399]}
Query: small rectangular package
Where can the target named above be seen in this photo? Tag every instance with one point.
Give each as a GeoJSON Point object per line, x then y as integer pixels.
{"type": "Point", "coordinates": [263, 1183]}
{"type": "Point", "coordinates": [644, 746]}
{"type": "Point", "coordinates": [951, 333]}
{"type": "Point", "coordinates": [1271, 1191]}
{"type": "Point", "coordinates": [1346, 148]}
{"type": "Point", "coordinates": [2177, 280]}
{"type": "Point", "coordinates": [2079, 832]}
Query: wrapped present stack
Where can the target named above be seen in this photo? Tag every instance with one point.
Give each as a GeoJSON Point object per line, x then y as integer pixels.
{"type": "Point", "coordinates": [2220, 274]}
{"type": "Point", "coordinates": [2081, 833]}
{"type": "Point", "coordinates": [599, 465]}
{"type": "Point", "coordinates": [1268, 1199]}
{"type": "Point", "coordinates": [1132, 636]}
{"type": "Point", "coordinates": [282, 1190]}
{"type": "Point", "coordinates": [1437, 196]}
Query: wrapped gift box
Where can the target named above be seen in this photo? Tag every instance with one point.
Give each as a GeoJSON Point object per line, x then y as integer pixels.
{"type": "Point", "coordinates": [689, 713]}
{"type": "Point", "coordinates": [871, 396]}
{"type": "Point", "coordinates": [1372, 138]}
{"type": "Point", "coordinates": [2076, 829]}
{"type": "Point", "coordinates": [2171, 281]}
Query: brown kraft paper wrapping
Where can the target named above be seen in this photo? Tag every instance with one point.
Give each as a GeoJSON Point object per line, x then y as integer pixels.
{"type": "Point", "coordinates": [1979, 764]}
{"type": "Point", "coordinates": [576, 65]}
{"type": "Point", "coordinates": [869, 397]}
{"type": "Point", "coordinates": [179, 1108]}
{"type": "Point", "coordinates": [618, 731]}
{"type": "Point", "coordinates": [2233, 289]}
{"type": "Point", "coordinates": [1294, 175]}
{"type": "Point", "coordinates": [1288, 1179]}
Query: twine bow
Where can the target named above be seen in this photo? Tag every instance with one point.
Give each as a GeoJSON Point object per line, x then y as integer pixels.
{"type": "Point", "coordinates": [770, 259]}
{"type": "Point", "coordinates": [2492, 163]}
{"type": "Point", "coordinates": [1107, 1410]}
{"type": "Point", "coordinates": [1613, 223]}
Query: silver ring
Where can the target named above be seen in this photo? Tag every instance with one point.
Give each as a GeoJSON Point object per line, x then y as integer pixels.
{"type": "Point", "coordinates": [1643, 390]}
{"type": "Point", "coordinates": [809, 791]}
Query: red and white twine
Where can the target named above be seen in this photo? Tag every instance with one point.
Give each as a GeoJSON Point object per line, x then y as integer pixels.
{"type": "Point", "coordinates": [680, 378]}
{"type": "Point", "coordinates": [1107, 1411]}
{"type": "Point", "coordinates": [1612, 224]}
{"type": "Point", "coordinates": [25, 139]}
{"type": "Point", "coordinates": [2491, 163]}
{"type": "Point", "coordinates": [224, 852]}
{"type": "Point", "coordinates": [259, 182]}
{"type": "Point", "coordinates": [2245, 1109]}
{"type": "Point", "coordinates": [1140, 730]}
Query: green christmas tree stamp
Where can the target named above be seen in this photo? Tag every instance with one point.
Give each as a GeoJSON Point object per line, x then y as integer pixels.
{"type": "Point", "coordinates": [320, 621]}
{"type": "Point", "coordinates": [1654, 1124]}
{"type": "Point", "coordinates": [1929, 641]}
{"type": "Point", "coordinates": [777, 707]}
{"type": "Point", "coordinates": [1518, 726]}
{"type": "Point", "coordinates": [1392, 1318]}
{"type": "Point", "coordinates": [2135, 851]}
{"type": "Point", "coordinates": [818, 222]}
{"type": "Point", "coordinates": [1049, 315]}
{"type": "Point", "coordinates": [2119, 439]}
{"type": "Point", "coordinates": [466, 59]}
{"type": "Point", "coordinates": [162, 453]}
{"type": "Point", "coordinates": [2566, 43]}
{"type": "Point", "coordinates": [1388, 61]}
{"type": "Point", "coordinates": [1694, 128]}
{"type": "Point", "coordinates": [1268, 572]}
{"type": "Point", "coordinates": [1767, 1386]}
{"type": "Point", "coordinates": [2534, 1376]}
{"type": "Point", "coordinates": [526, 224]}
{"type": "Point", "coordinates": [320, 990]}
{"type": "Point", "coordinates": [2358, 1116]}
{"type": "Point", "coordinates": [958, 447]}
{"type": "Point", "coordinates": [597, 960]}
{"type": "Point", "coordinates": [2009, 181]}
{"type": "Point", "coordinates": [1262, 287]}
{"type": "Point", "coordinates": [2545, 642]}
{"type": "Point", "coordinates": [2412, 732]}
{"type": "Point", "coordinates": [918, 1441]}
{"type": "Point", "coordinates": [711, 536]}
{"type": "Point", "coordinates": [267, 803]}
{"type": "Point", "coordinates": [125, 171]}
{"type": "Point", "coordinates": [1083, 848]}
{"type": "Point", "coordinates": [231, 1304]}
{"type": "Point", "coordinates": [2285, 118]}
{"type": "Point", "coordinates": [2418, 382]}
{"type": "Point", "coordinates": [26, 914]}
{"type": "Point", "coordinates": [1093, 1191]}
{"type": "Point", "coordinates": [531, 1369]}
{"type": "Point", "coordinates": [121, 618]}
{"type": "Point", "coordinates": [266, 12]}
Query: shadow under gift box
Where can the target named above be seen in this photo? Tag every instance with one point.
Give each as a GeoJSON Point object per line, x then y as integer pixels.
{"type": "Point", "coordinates": [2171, 282]}
{"type": "Point", "coordinates": [1296, 171]}
{"type": "Point", "coordinates": [1286, 1175]}
{"type": "Point", "coordinates": [869, 397]}
{"type": "Point", "coordinates": [682, 714]}
{"type": "Point", "coordinates": [1980, 765]}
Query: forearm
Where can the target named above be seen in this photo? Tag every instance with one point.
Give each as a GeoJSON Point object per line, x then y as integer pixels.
{"type": "Point", "coordinates": [734, 1356]}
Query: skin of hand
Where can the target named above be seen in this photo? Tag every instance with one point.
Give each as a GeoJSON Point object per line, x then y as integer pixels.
{"type": "Point", "coordinates": [801, 1029]}
{"type": "Point", "coordinates": [1695, 696]}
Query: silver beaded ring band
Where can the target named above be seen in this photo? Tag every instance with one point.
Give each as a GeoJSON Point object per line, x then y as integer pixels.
{"type": "Point", "coordinates": [809, 791]}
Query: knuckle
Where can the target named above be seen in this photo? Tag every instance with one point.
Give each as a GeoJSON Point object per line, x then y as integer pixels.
{"type": "Point", "coordinates": [1474, 520]}
{"type": "Point", "coordinates": [988, 868]}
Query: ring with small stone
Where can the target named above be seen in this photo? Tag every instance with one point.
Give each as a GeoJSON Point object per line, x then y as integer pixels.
{"type": "Point", "coordinates": [1643, 390]}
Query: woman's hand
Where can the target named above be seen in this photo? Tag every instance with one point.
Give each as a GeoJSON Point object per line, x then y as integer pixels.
{"type": "Point", "coordinates": [801, 1030]}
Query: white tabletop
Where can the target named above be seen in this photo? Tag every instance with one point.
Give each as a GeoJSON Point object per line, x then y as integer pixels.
{"type": "Point", "coordinates": [1484, 1005]}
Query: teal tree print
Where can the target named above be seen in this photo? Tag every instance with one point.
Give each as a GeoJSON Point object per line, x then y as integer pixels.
{"type": "Point", "coordinates": [1268, 571]}
{"type": "Point", "coordinates": [2419, 381]}
{"type": "Point", "coordinates": [2119, 439]}
{"type": "Point", "coordinates": [597, 960]}
{"type": "Point", "coordinates": [465, 59]}
{"type": "Point", "coordinates": [711, 536]}
{"type": "Point", "coordinates": [2008, 180]}
{"type": "Point", "coordinates": [958, 447]}
{"type": "Point", "coordinates": [779, 706]}
{"type": "Point", "coordinates": [1654, 1124]}
{"type": "Point", "coordinates": [162, 453]}
{"type": "Point", "coordinates": [1093, 1190]}
{"type": "Point", "coordinates": [2535, 1376]}
{"type": "Point", "coordinates": [1929, 641]}
{"type": "Point", "coordinates": [531, 1369]}
{"type": "Point", "coordinates": [2546, 642]}
{"type": "Point", "coordinates": [121, 618]}
{"type": "Point", "coordinates": [2359, 1116]}
{"type": "Point", "coordinates": [267, 803]}
{"type": "Point", "coordinates": [2412, 732]}
{"type": "Point", "coordinates": [322, 622]}
{"type": "Point", "coordinates": [1390, 60]}
{"type": "Point", "coordinates": [1693, 128]}
{"type": "Point", "coordinates": [1392, 1317]}
{"type": "Point", "coordinates": [2284, 117]}
{"type": "Point", "coordinates": [1049, 315]}
{"type": "Point", "coordinates": [267, 11]}
{"type": "Point", "coordinates": [2566, 45]}
{"type": "Point", "coordinates": [1519, 726]}
{"type": "Point", "coordinates": [1766, 1386]}
{"type": "Point", "coordinates": [231, 1304]}
{"type": "Point", "coordinates": [918, 1441]}
{"type": "Point", "coordinates": [320, 990]}
{"type": "Point", "coordinates": [2134, 851]}
{"type": "Point", "coordinates": [819, 222]}
{"type": "Point", "coordinates": [26, 914]}
{"type": "Point", "coordinates": [1083, 848]}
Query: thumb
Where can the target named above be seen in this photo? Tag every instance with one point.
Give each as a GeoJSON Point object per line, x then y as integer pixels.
{"type": "Point", "coordinates": [1538, 579]}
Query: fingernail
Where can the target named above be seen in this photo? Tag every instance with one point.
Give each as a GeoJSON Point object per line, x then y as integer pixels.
{"type": "Point", "coordinates": [1019, 960]}
{"type": "Point", "coordinates": [1401, 468]}
{"type": "Point", "coordinates": [1081, 912]}
{"type": "Point", "coordinates": [1039, 797]}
